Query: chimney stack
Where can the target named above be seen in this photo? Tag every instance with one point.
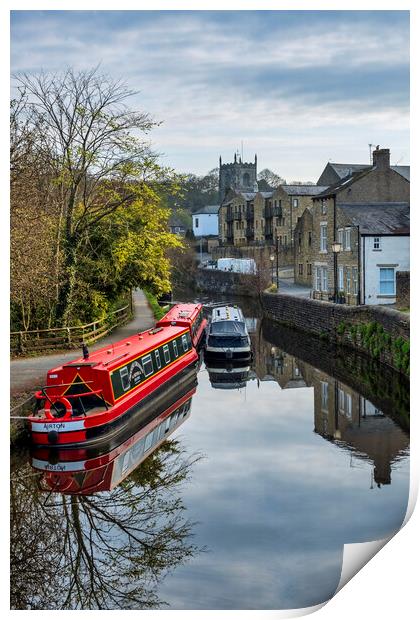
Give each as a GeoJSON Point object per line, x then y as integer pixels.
{"type": "Point", "coordinates": [381, 158]}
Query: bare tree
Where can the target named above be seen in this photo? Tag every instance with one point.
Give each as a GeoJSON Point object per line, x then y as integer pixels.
{"type": "Point", "coordinates": [99, 165]}
{"type": "Point", "coordinates": [103, 551]}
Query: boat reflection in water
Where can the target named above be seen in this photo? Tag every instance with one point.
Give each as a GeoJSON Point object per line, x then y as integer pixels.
{"type": "Point", "coordinates": [85, 471]}
{"type": "Point", "coordinates": [228, 375]}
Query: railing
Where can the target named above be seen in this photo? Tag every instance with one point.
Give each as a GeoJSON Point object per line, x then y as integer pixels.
{"type": "Point", "coordinates": [68, 337]}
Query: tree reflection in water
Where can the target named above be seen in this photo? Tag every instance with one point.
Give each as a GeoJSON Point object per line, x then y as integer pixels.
{"type": "Point", "coordinates": [103, 551]}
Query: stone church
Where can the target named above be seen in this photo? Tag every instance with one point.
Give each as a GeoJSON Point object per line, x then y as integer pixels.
{"type": "Point", "coordinates": [238, 176]}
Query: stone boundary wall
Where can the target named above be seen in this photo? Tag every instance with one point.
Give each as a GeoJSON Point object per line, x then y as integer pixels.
{"type": "Point", "coordinates": [226, 282]}
{"type": "Point", "coordinates": [384, 328]}
{"type": "Point", "coordinates": [380, 384]}
{"type": "Point", "coordinates": [403, 289]}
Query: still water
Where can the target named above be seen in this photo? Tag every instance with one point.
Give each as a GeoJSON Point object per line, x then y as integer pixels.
{"type": "Point", "coordinates": [239, 494]}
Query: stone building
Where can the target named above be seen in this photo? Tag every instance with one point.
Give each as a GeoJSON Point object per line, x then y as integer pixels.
{"type": "Point", "coordinates": [238, 176]}
{"type": "Point", "coordinates": [377, 186]}
{"type": "Point", "coordinates": [303, 249]}
{"type": "Point", "coordinates": [342, 415]}
{"type": "Point", "coordinates": [288, 204]}
{"type": "Point", "coordinates": [334, 173]}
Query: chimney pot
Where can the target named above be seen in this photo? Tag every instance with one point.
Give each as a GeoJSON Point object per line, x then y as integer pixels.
{"type": "Point", "coordinates": [381, 158]}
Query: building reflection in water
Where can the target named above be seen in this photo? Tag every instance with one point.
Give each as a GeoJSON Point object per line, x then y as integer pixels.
{"type": "Point", "coordinates": [108, 524]}
{"type": "Point", "coordinates": [341, 415]}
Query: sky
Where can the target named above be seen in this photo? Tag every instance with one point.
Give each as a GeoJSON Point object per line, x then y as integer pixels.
{"type": "Point", "coordinates": [299, 88]}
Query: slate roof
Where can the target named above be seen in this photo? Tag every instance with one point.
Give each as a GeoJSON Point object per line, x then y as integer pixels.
{"type": "Point", "coordinates": [208, 210]}
{"type": "Point", "coordinates": [345, 170]}
{"type": "Point", "coordinates": [386, 218]}
{"type": "Point", "coordinates": [303, 190]}
{"type": "Point", "coordinates": [404, 171]}
{"type": "Point", "coordinates": [346, 181]}
{"type": "Point", "coordinates": [176, 221]}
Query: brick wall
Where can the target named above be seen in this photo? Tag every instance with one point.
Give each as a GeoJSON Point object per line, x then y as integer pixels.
{"type": "Point", "coordinates": [403, 289]}
{"type": "Point", "coordinates": [327, 320]}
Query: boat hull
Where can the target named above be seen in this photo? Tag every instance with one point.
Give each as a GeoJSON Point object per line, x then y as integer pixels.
{"type": "Point", "coordinates": [112, 424]}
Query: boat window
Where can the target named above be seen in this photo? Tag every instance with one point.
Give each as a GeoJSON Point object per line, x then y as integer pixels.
{"type": "Point", "coordinates": [147, 365]}
{"type": "Point", "coordinates": [166, 353]}
{"type": "Point", "coordinates": [138, 449]}
{"type": "Point", "coordinates": [184, 342]}
{"type": "Point", "coordinates": [175, 348]}
{"type": "Point", "coordinates": [158, 362]}
{"type": "Point", "coordinates": [228, 328]}
{"type": "Point", "coordinates": [125, 380]}
{"type": "Point", "coordinates": [148, 442]}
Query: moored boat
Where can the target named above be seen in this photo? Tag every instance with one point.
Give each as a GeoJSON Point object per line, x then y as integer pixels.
{"type": "Point", "coordinates": [89, 470]}
{"type": "Point", "coordinates": [98, 395]}
{"type": "Point", "coordinates": [190, 316]}
{"type": "Point", "coordinates": [227, 336]}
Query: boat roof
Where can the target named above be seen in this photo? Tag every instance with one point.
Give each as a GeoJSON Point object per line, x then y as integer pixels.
{"type": "Point", "coordinates": [180, 312]}
{"type": "Point", "coordinates": [227, 313]}
{"type": "Point", "coordinates": [112, 356]}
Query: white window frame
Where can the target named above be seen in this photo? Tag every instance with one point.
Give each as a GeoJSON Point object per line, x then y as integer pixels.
{"type": "Point", "coordinates": [323, 237]}
{"type": "Point", "coordinates": [147, 359]}
{"type": "Point", "coordinates": [295, 202]}
{"type": "Point", "coordinates": [324, 206]}
{"type": "Point", "coordinates": [166, 354]}
{"type": "Point", "coordinates": [341, 278]}
{"type": "Point", "coordinates": [175, 347]}
{"type": "Point", "coordinates": [184, 343]}
{"type": "Point", "coordinates": [340, 236]}
{"type": "Point", "coordinates": [381, 281]}
{"type": "Point", "coordinates": [347, 239]}
{"type": "Point", "coordinates": [157, 358]}
{"type": "Point", "coordinates": [355, 280]}
{"type": "Point", "coordinates": [348, 280]}
{"type": "Point", "coordinates": [324, 275]}
{"type": "Point", "coordinates": [377, 244]}
{"type": "Point", "coordinates": [324, 395]}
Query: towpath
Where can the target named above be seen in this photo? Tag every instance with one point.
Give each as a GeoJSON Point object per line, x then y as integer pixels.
{"type": "Point", "coordinates": [25, 373]}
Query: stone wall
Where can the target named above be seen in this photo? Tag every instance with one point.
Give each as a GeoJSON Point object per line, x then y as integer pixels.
{"type": "Point", "coordinates": [403, 289]}
{"type": "Point", "coordinates": [261, 254]}
{"type": "Point", "coordinates": [384, 332]}
{"type": "Point", "coordinates": [230, 283]}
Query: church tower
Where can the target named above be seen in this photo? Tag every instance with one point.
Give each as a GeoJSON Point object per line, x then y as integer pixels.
{"type": "Point", "coordinates": [238, 176]}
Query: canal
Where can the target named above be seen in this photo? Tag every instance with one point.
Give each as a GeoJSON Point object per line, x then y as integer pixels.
{"type": "Point", "coordinates": [241, 497]}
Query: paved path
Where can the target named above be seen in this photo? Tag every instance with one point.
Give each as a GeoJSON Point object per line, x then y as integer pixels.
{"type": "Point", "coordinates": [25, 373]}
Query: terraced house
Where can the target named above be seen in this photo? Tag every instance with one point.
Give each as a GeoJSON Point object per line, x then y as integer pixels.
{"type": "Point", "coordinates": [365, 211]}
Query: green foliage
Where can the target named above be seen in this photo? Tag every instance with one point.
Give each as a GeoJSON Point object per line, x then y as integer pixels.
{"type": "Point", "coordinates": [158, 311]}
{"type": "Point", "coordinates": [272, 288]}
{"type": "Point", "coordinates": [379, 343]}
{"type": "Point", "coordinates": [341, 328]}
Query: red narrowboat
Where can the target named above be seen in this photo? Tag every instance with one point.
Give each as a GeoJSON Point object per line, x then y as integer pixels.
{"type": "Point", "coordinates": [190, 316]}
{"type": "Point", "coordinates": [99, 395]}
{"type": "Point", "coordinates": [85, 471]}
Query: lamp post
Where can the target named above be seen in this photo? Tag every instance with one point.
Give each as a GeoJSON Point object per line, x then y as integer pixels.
{"type": "Point", "coordinates": [336, 248]}
{"type": "Point", "coordinates": [272, 270]}
{"type": "Point", "coordinates": [277, 261]}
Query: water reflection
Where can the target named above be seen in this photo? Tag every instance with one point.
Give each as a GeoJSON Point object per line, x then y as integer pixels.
{"type": "Point", "coordinates": [99, 530]}
{"type": "Point", "coordinates": [342, 415]}
{"type": "Point", "coordinates": [308, 451]}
